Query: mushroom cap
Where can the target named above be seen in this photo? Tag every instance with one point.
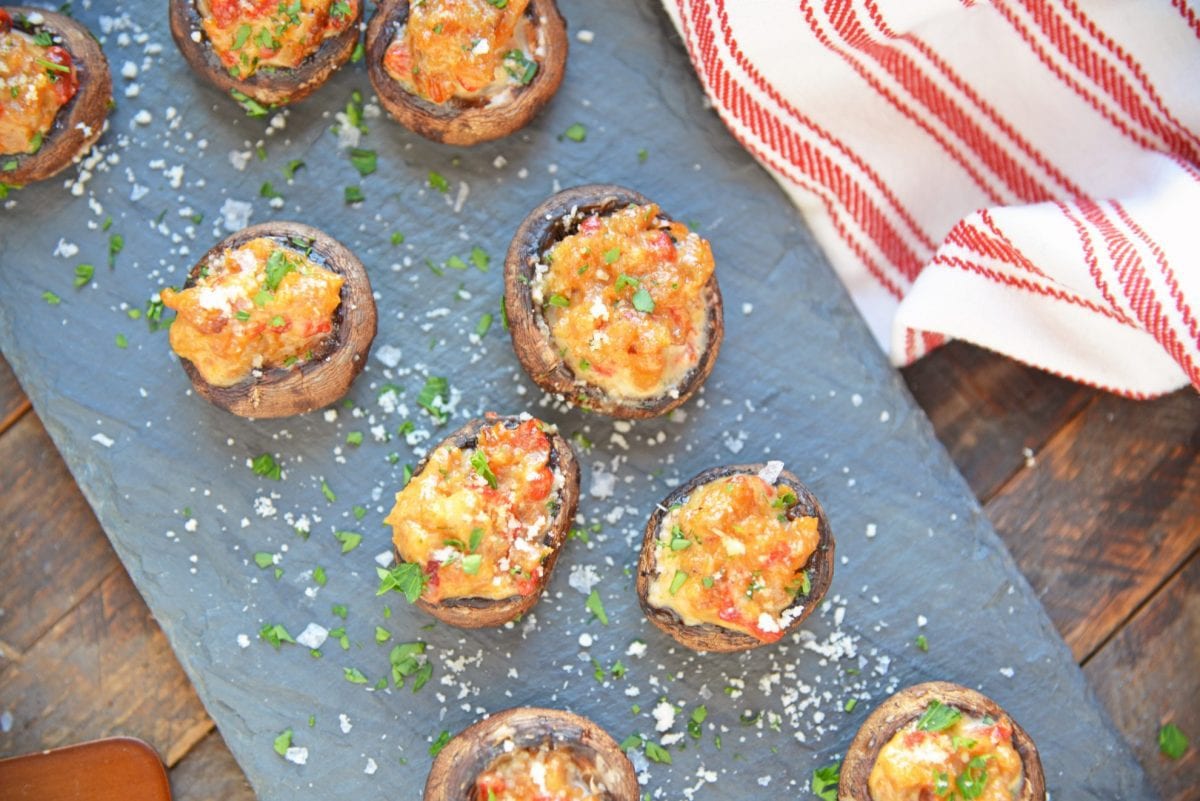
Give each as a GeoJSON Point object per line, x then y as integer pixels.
{"type": "Point", "coordinates": [909, 704]}
{"type": "Point", "coordinates": [81, 121]}
{"type": "Point", "coordinates": [547, 224]}
{"type": "Point", "coordinates": [474, 613]}
{"type": "Point", "coordinates": [287, 391]}
{"type": "Point", "coordinates": [711, 637]}
{"type": "Point", "coordinates": [459, 763]}
{"type": "Point", "coordinates": [458, 123]}
{"type": "Point", "coordinates": [272, 88]}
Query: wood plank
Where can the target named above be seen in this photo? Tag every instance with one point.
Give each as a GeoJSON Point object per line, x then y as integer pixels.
{"type": "Point", "coordinates": [104, 669]}
{"type": "Point", "coordinates": [986, 409]}
{"type": "Point", "coordinates": [113, 769]}
{"type": "Point", "coordinates": [1146, 676]}
{"type": "Point", "coordinates": [1108, 512]}
{"type": "Point", "coordinates": [55, 551]}
{"type": "Point", "coordinates": [209, 771]}
{"type": "Point", "coordinates": [13, 402]}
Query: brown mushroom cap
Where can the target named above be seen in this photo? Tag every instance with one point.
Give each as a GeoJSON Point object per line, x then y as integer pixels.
{"type": "Point", "coordinates": [710, 637]}
{"type": "Point", "coordinates": [286, 391]}
{"type": "Point", "coordinates": [457, 766]}
{"type": "Point", "coordinates": [909, 704]}
{"type": "Point", "coordinates": [474, 613]}
{"type": "Point", "coordinates": [81, 121]}
{"type": "Point", "coordinates": [459, 123]}
{"type": "Point", "coordinates": [542, 228]}
{"type": "Point", "coordinates": [275, 87]}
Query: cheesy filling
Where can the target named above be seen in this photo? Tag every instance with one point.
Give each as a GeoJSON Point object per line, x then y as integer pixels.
{"type": "Point", "coordinates": [623, 301]}
{"type": "Point", "coordinates": [477, 520]}
{"type": "Point", "coordinates": [465, 50]}
{"type": "Point", "coordinates": [548, 772]}
{"type": "Point", "coordinates": [732, 556]}
{"type": "Point", "coordinates": [249, 35]}
{"type": "Point", "coordinates": [258, 306]}
{"type": "Point", "coordinates": [37, 78]}
{"type": "Point", "coordinates": [944, 753]}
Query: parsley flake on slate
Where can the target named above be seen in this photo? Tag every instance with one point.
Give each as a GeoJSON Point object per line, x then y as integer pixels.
{"type": "Point", "coordinates": [275, 634]}
{"type": "Point", "coordinates": [83, 275]}
{"type": "Point", "coordinates": [265, 465]}
{"type": "Point", "coordinates": [480, 259]}
{"type": "Point", "coordinates": [354, 194]}
{"type": "Point", "coordinates": [825, 781]}
{"type": "Point", "coordinates": [349, 540]}
{"type": "Point", "coordinates": [264, 560]}
{"type": "Point", "coordinates": [283, 742]}
{"type": "Point", "coordinates": [438, 182]}
{"type": "Point", "coordinates": [596, 607]}
{"type": "Point", "coordinates": [363, 160]}
{"type": "Point", "coordinates": [656, 753]}
{"type": "Point", "coordinates": [251, 106]}
{"type": "Point", "coordinates": [354, 675]}
{"type": "Point", "coordinates": [436, 389]}
{"type": "Point", "coordinates": [576, 133]}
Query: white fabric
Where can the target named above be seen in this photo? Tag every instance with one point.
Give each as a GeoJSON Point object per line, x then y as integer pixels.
{"type": "Point", "coordinates": [1021, 174]}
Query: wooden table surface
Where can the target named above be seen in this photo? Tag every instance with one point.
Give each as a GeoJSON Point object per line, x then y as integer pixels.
{"type": "Point", "coordinates": [1097, 497]}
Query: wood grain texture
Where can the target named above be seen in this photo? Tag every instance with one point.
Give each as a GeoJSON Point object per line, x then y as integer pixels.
{"type": "Point", "coordinates": [104, 669]}
{"type": "Point", "coordinates": [55, 553]}
{"type": "Point", "coordinates": [1146, 676]}
{"type": "Point", "coordinates": [13, 402]}
{"type": "Point", "coordinates": [209, 772]}
{"type": "Point", "coordinates": [986, 409]}
{"type": "Point", "coordinates": [1107, 513]}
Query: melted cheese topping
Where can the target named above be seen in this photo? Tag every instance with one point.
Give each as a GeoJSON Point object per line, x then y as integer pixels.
{"type": "Point", "coordinates": [248, 35]}
{"type": "Point", "coordinates": [258, 306]}
{"type": "Point", "coordinates": [464, 50]}
{"type": "Point", "coordinates": [36, 81]}
{"type": "Point", "coordinates": [974, 758]}
{"type": "Point", "coordinates": [476, 519]}
{"type": "Point", "coordinates": [730, 556]}
{"type": "Point", "coordinates": [623, 300]}
{"type": "Point", "coordinates": [544, 773]}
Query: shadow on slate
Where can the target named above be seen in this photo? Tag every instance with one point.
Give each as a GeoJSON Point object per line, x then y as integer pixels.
{"type": "Point", "coordinates": [798, 379]}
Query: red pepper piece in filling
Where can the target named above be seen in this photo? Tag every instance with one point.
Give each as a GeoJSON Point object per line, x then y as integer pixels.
{"type": "Point", "coordinates": [66, 84]}
{"type": "Point", "coordinates": [5, 21]}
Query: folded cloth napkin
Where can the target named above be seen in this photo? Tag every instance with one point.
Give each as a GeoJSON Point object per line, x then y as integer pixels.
{"type": "Point", "coordinates": [1021, 174]}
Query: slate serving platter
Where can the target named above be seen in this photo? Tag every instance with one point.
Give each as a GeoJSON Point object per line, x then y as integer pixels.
{"type": "Point", "coordinates": [798, 380]}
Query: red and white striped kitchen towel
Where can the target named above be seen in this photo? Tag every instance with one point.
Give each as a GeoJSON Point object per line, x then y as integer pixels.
{"type": "Point", "coordinates": [1021, 174]}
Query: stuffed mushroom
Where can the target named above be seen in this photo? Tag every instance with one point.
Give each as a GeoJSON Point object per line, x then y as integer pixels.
{"type": "Point", "coordinates": [266, 52]}
{"type": "Point", "coordinates": [274, 321]}
{"type": "Point", "coordinates": [527, 753]}
{"type": "Point", "coordinates": [55, 93]}
{"type": "Point", "coordinates": [481, 522]}
{"type": "Point", "coordinates": [735, 558]}
{"type": "Point", "coordinates": [612, 303]}
{"type": "Point", "coordinates": [939, 739]}
{"type": "Point", "coordinates": [466, 71]}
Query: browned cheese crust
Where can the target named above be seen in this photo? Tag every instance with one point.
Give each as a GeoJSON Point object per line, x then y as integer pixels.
{"type": "Point", "coordinates": [547, 224]}
{"type": "Point", "coordinates": [452, 777]}
{"type": "Point", "coordinates": [909, 704]}
{"type": "Point", "coordinates": [709, 637]}
{"type": "Point", "coordinates": [457, 123]}
{"type": "Point", "coordinates": [81, 121]}
{"type": "Point", "coordinates": [474, 613]}
{"type": "Point", "coordinates": [287, 391]}
{"type": "Point", "coordinates": [271, 88]}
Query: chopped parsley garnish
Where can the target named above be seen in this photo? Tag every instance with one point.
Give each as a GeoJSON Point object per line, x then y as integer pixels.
{"type": "Point", "coordinates": [43, 39]}
{"type": "Point", "coordinates": [938, 717]}
{"type": "Point", "coordinates": [116, 243]}
{"type": "Point", "coordinates": [472, 563]}
{"type": "Point", "coordinates": [611, 256]}
{"type": "Point", "coordinates": [283, 742]}
{"type": "Point", "coordinates": [499, 3]}
{"type": "Point", "coordinates": [479, 461]}
{"type": "Point", "coordinates": [354, 438]}
{"type": "Point", "coordinates": [275, 634]}
{"type": "Point", "coordinates": [262, 297]}
{"type": "Point", "coordinates": [825, 781]}
{"type": "Point", "coordinates": [264, 560]}
{"type": "Point", "coordinates": [1172, 742]}
{"type": "Point", "coordinates": [434, 395]}
{"type": "Point", "coordinates": [265, 465]}
{"type": "Point", "coordinates": [922, 642]}
{"type": "Point", "coordinates": [349, 540]}
{"type": "Point", "coordinates": [319, 576]}
{"type": "Point", "coordinates": [354, 194]}
{"type": "Point", "coordinates": [678, 581]}
{"type": "Point", "coordinates": [559, 300]}
{"type": "Point", "coordinates": [327, 491]}
{"type": "Point", "coordinates": [576, 133]}
{"type": "Point", "coordinates": [354, 675]}
{"type": "Point", "coordinates": [520, 67]}
{"type": "Point", "coordinates": [52, 66]}
{"type": "Point", "coordinates": [480, 259]}
{"type": "Point", "coordinates": [485, 322]}
{"type": "Point", "coordinates": [444, 737]}
{"type": "Point", "coordinates": [438, 181]}
{"type": "Point", "coordinates": [251, 106]}
{"type": "Point", "coordinates": [364, 161]}
{"type": "Point", "coordinates": [679, 540]}
{"type": "Point", "coordinates": [278, 265]}
{"type": "Point", "coordinates": [596, 607]}
{"type": "Point", "coordinates": [339, 610]}
{"type": "Point", "coordinates": [503, 313]}
{"type": "Point", "coordinates": [406, 663]}
{"type": "Point", "coordinates": [643, 154]}
{"type": "Point", "coordinates": [83, 275]}
{"type": "Point", "coordinates": [359, 52]}
{"type": "Point", "coordinates": [455, 263]}
{"type": "Point", "coordinates": [643, 302]}
{"type": "Point", "coordinates": [850, 704]}
{"type": "Point", "coordinates": [699, 715]}
{"type": "Point", "coordinates": [656, 753]}
{"type": "Point", "coordinates": [382, 635]}
{"type": "Point", "coordinates": [407, 578]}
{"type": "Point", "coordinates": [972, 781]}
{"type": "Point", "coordinates": [51, 298]}
{"type": "Point", "coordinates": [268, 191]}
{"type": "Point", "coordinates": [397, 238]}
{"type": "Point", "coordinates": [289, 171]}
{"type": "Point", "coordinates": [340, 9]}
{"type": "Point", "coordinates": [624, 280]}
{"type": "Point", "coordinates": [632, 741]}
